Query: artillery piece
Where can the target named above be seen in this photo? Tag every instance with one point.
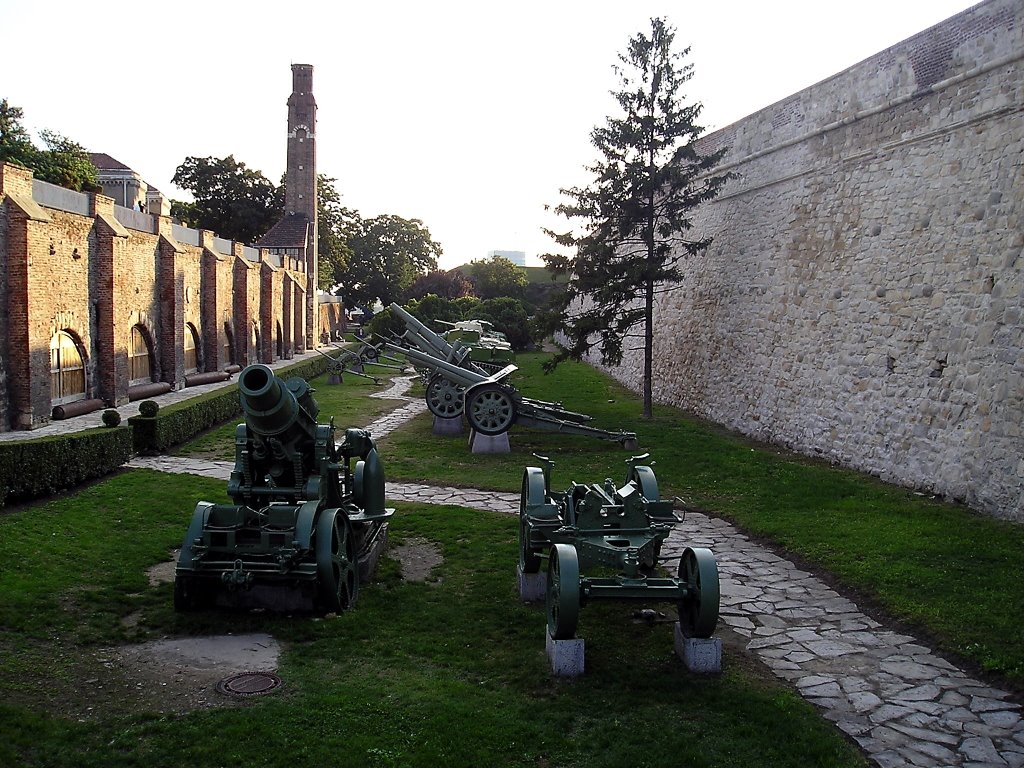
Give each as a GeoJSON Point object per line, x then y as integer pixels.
{"type": "Point", "coordinates": [608, 528]}
{"type": "Point", "coordinates": [488, 348]}
{"type": "Point", "coordinates": [457, 385]}
{"type": "Point", "coordinates": [306, 527]}
{"type": "Point", "coordinates": [352, 361]}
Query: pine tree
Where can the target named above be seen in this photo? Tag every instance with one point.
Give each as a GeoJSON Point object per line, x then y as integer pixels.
{"type": "Point", "coordinates": [636, 212]}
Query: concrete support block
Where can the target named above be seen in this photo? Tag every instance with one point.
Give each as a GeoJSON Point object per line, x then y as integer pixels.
{"type": "Point", "coordinates": [532, 586]}
{"type": "Point", "coordinates": [447, 427]}
{"type": "Point", "coordinates": [565, 656]}
{"type": "Point", "coordinates": [488, 443]}
{"type": "Point", "coordinates": [701, 655]}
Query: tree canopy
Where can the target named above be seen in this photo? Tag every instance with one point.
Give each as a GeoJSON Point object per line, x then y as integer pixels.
{"type": "Point", "coordinates": [447, 285]}
{"type": "Point", "coordinates": [63, 162]}
{"type": "Point", "coordinates": [388, 254]}
{"type": "Point", "coordinates": [635, 225]}
{"type": "Point", "coordinates": [234, 201]}
{"type": "Point", "coordinates": [497, 277]}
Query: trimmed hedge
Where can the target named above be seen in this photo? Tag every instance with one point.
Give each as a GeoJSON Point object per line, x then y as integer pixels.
{"type": "Point", "coordinates": [180, 422]}
{"type": "Point", "coordinates": [40, 467]}
{"type": "Point", "coordinates": [43, 466]}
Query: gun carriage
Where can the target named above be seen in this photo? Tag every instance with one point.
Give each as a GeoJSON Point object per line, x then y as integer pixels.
{"type": "Point", "coordinates": [618, 532]}
{"type": "Point", "coordinates": [457, 385]}
{"type": "Point", "coordinates": [308, 520]}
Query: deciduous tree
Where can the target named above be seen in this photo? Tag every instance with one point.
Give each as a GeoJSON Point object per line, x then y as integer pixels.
{"type": "Point", "coordinates": [635, 214]}
{"type": "Point", "coordinates": [234, 201]}
{"type": "Point", "coordinates": [64, 161]}
{"type": "Point", "coordinates": [388, 254]}
{"type": "Point", "coordinates": [498, 277]}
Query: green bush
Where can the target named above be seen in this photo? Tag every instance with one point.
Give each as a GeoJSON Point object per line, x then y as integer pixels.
{"type": "Point", "coordinates": [33, 468]}
{"type": "Point", "coordinates": [509, 316]}
{"type": "Point", "coordinates": [149, 408]}
{"type": "Point", "coordinates": [111, 418]}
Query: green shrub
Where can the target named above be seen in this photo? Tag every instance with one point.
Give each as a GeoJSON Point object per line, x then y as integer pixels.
{"type": "Point", "coordinates": [41, 467]}
{"type": "Point", "coordinates": [149, 408]}
{"type": "Point", "coordinates": [111, 418]}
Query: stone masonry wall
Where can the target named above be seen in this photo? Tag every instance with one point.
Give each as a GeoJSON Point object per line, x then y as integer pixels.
{"type": "Point", "coordinates": [862, 299]}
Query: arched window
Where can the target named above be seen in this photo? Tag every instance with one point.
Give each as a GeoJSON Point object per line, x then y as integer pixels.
{"type": "Point", "coordinates": [140, 357]}
{"type": "Point", "coordinates": [67, 369]}
{"type": "Point", "coordinates": [191, 349]}
{"type": "Point", "coordinates": [229, 344]}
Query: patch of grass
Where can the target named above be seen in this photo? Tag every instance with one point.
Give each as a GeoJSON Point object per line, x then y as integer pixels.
{"type": "Point", "coordinates": [445, 672]}
{"type": "Point", "coordinates": [348, 403]}
{"type": "Point", "coordinates": [942, 568]}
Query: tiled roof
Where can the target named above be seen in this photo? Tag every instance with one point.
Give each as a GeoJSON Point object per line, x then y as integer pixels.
{"type": "Point", "coordinates": [289, 232]}
{"type": "Point", "coordinates": [105, 162]}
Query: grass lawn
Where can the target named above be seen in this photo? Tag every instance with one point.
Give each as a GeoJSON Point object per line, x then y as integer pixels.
{"type": "Point", "coordinates": [450, 671]}
{"type": "Point", "coordinates": [945, 570]}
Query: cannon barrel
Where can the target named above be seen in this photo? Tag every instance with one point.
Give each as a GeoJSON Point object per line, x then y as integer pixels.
{"type": "Point", "coordinates": [433, 339]}
{"type": "Point", "coordinates": [274, 407]}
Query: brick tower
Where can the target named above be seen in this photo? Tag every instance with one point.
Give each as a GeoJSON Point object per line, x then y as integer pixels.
{"type": "Point", "coordinates": [300, 190]}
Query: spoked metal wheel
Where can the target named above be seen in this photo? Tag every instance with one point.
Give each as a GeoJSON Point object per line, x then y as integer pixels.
{"type": "Point", "coordinates": [698, 610]}
{"type": "Point", "coordinates": [491, 410]}
{"type": "Point", "coordinates": [532, 497]}
{"type": "Point", "coordinates": [563, 597]}
{"type": "Point", "coordinates": [337, 569]}
{"type": "Point", "coordinates": [445, 398]}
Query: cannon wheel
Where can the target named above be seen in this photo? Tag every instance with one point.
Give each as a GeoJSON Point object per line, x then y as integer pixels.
{"type": "Point", "coordinates": [445, 398]}
{"type": "Point", "coordinates": [533, 495]}
{"type": "Point", "coordinates": [645, 480]}
{"type": "Point", "coordinates": [337, 569]}
{"type": "Point", "coordinates": [491, 410]}
{"type": "Point", "coordinates": [698, 610]}
{"type": "Point", "coordinates": [563, 596]}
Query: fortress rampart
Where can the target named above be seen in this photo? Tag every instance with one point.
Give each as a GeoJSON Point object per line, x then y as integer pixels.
{"type": "Point", "coordinates": [862, 300]}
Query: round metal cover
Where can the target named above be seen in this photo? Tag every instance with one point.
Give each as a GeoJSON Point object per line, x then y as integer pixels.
{"type": "Point", "coordinates": [249, 684]}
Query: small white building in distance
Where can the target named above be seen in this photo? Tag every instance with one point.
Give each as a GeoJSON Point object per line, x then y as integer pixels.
{"type": "Point", "coordinates": [516, 257]}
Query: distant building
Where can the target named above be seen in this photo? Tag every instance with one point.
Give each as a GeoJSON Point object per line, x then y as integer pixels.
{"type": "Point", "coordinates": [516, 257]}
{"type": "Point", "coordinates": [126, 187]}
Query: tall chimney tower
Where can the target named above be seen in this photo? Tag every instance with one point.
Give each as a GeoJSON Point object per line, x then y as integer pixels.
{"type": "Point", "coordinates": [300, 186]}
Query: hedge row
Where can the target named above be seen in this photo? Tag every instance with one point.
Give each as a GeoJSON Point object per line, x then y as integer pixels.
{"type": "Point", "coordinates": [40, 467]}
{"type": "Point", "coordinates": [183, 421]}
{"type": "Point", "coordinates": [33, 468]}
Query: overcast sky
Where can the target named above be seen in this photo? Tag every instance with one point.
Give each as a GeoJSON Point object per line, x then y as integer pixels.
{"type": "Point", "coordinates": [467, 115]}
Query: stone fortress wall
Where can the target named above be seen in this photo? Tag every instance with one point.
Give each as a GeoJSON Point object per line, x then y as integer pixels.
{"type": "Point", "coordinates": [862, 299]}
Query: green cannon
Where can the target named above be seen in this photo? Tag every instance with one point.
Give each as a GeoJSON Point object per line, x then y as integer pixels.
{"type": "Point", "coordinates": [308, 521]}
{"type": "Point", "coordinates": [618, 532]}
{"type": "Point", "coordinates": [457, 385]}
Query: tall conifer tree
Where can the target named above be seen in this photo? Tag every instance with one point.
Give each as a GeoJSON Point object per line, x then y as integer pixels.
{"type": "Point", "coordinates": [635, 213]}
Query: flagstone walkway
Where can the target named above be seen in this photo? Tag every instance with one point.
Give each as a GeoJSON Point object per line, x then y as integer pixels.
{"type": "Point", "coordinates": [903, 704]}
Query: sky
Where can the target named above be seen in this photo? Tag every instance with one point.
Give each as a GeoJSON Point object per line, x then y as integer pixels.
{"type": "Point", "coordinates": [469, 116]}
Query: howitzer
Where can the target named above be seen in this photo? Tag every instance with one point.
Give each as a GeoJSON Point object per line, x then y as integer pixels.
{"type": "Point", "coordinates": [600, 526]}
{"type": "Point", "coordinates": [306, 526]}
{"type": "Point", "coordinates": [457, 385]}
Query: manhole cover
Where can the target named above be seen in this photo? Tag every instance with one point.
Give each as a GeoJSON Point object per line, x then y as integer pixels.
{"type": "Point", "coordinates": [248, 684]}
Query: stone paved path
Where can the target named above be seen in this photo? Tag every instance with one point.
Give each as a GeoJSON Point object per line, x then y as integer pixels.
{"type": "Point", "coordinates": [903, 704]}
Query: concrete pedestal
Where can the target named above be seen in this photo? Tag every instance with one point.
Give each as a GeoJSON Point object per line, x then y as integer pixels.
{"type": "Point", "coordinates": [333, 378]}
{"type": "Point", "coordinates": [532, 586]}
{"type": "Point", "coordinates": [488, 443]}
{"type": "Point", "coordinates": [564, 656]}
{"type": "Point", "coordinates": [701, 655]}
{"type": "Point", "coordinates": [447, 427]}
